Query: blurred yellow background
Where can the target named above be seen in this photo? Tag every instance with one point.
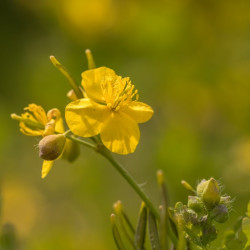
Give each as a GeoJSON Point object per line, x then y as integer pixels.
{"type": "Point", "coordinates": [189, 59]}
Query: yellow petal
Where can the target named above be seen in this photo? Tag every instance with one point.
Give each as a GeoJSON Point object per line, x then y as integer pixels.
{"type": "Point", "coordinates": [59, 128]}
{"type": "Point", "coordinates": [92, 79]}
{"type": "Point", "coordinates": [120, 134]}
{"type": "Point", "coordinates": [29, 128]}
{"type": "Point", "coordinates": [86, 118]}
{"type": "Point", "coordinates": [138, 111]}
{"type": "Point", "coordinates": [47, 165]}
{"type": "Point", "coordinates": [38, 113]}
{"type": "Point", "coordinates": [28, 131]}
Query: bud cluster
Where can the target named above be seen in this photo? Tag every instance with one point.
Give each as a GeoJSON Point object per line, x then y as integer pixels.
{"type": "Point", "coordinates": [206, 206]}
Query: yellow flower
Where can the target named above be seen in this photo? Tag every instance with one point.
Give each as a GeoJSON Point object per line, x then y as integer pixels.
{"type": "Point", "coordinates": [35, 122]}
{"type": "Point", "coordinates": [111, 109]}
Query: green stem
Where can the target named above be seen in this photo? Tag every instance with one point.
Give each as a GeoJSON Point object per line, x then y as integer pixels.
{"type": "Point", "coordinates": [104, 152]}
{"type": "Point", "coordinates": [76, 139]}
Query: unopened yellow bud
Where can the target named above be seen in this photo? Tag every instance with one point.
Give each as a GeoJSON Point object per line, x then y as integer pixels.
{"type": "Point", "coordinates": [118, 207]}
{"type": "Point", "coordinates": [209, 192]}
{"type": "Point", "coordinates": [51, 147]}
{"type": "Point", "coordinates": [72, 95]}
{"type": "Point", "coordinates": [112, 219]}
{"type": "Point", "coordinates": [160, 177]}
{"type": "Point", "coordinates": [187, 186]}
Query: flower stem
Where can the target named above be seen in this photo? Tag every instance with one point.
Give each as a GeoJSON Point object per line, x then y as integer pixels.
{"type": "Point", "coordinates": [125, 174]}
{"type": "Point", "coordinates": [104, 152]}
{"type": "Point", "coordinates": [76, 139]}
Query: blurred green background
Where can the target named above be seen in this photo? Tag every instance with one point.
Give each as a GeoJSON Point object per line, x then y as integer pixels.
{"type": "Point", "coordinates": [190, 60]}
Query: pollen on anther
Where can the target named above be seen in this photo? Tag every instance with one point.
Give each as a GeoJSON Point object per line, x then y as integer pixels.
{"type": "Point", "coordinates": [109, 105]}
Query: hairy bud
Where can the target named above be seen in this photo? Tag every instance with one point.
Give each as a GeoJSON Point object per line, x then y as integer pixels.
{"type": "Point", "coordinates": [195, 203]}
{"type": "Point", "coordinates": [220, 213]}
{"type": "Point", "coordinates": [209, 192]}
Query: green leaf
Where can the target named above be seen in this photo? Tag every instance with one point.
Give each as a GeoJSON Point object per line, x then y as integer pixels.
{"type": "Point", "coordinates": [166, 231]}
{"type": "Point", "coordinates": [248, 209]}
{"type": "Point", "coordinates": [141, 228]}
{"type": "Point", "coordinates": [116, 234]}
{"type": "Point", "coordinates": [153, 232]}
{"type": "Point", "coordinates": [128, 222]}
{"type": "Point", "coordinates": [231, 242]}
{"type": "Point", "coordinates": [246, 229]}
{"type": "Point", "coordinates": [8, 239]}
{"type": "Point", "coordinates": [209, 234]}
{"type": "Point", "coordinates": [193, 237]}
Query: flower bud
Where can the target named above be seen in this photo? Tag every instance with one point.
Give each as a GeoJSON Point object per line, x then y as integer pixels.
{"type": "Point", "coordinates": [187, 186]}
{"type": "Point", "coordinates": [179, 207]}
{"type": "Point", "coordinates": [72, 95]}
{"type": "Point", "coordinates": [209, 192]}
{"type": "Point", "coordinates": [195, 203]}
{"type": "Point", "coordinates": [190, 216]}
{"type": "Point", "coordinates": [118, 207]}
{"type": "Point", "coordinates": [220, 213]}
{"type": "Point", "coordinates": [225, 200]}
{"type": "Point", "coordinates": [51, 146]}
{"type": "Point", "coordinates": [200, 187]}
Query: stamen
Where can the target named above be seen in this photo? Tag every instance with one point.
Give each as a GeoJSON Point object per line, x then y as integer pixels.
{"type": "Point", "coordinates": [118, 92]}
{"type": "Point", "coordinates": [109, 105]}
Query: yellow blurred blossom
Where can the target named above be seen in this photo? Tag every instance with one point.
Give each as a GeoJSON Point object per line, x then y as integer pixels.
{"type": "Point", "coordinates": [111, 109]}
{"type": "Point", "coordinates": [87, 17]}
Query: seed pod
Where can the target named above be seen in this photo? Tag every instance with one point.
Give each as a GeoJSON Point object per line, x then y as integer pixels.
{"type": "Point", "coordinates": [51, 147]}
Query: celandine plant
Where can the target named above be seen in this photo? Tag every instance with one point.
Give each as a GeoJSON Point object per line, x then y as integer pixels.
{"type": "Point", "coordinates": [106, 110]}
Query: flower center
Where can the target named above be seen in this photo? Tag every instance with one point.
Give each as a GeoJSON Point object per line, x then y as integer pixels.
{"type": "Point", "coordinates": [118, 92]}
